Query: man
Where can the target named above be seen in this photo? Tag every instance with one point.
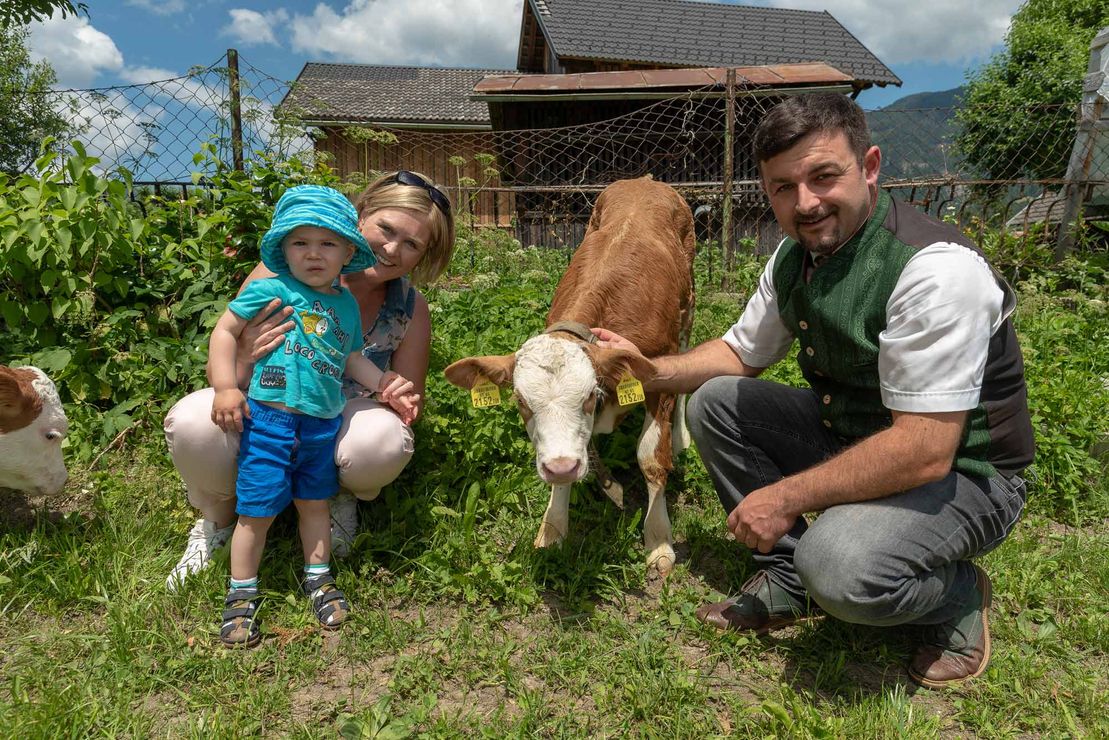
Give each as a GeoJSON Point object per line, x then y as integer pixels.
{"type": "Point", "coordinates": [914, 430]}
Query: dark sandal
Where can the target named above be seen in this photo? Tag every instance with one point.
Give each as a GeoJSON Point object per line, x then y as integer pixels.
{"type": "Point", "coordinates": [239, 627]}
{"type": "Point", "coordinates": [329, 603]}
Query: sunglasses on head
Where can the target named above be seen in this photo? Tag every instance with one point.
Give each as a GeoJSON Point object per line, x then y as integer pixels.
{"type": "Point", "coordinates": [404, 177]}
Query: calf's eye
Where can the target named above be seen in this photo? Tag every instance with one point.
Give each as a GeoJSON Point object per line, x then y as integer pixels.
{"type": "Point", "coordinates": [53, 435]}
{"type": "Point", "coordinates": [590, 404]}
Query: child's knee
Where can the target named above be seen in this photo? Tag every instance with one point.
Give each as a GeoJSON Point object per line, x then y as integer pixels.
{"type": "Point", "coordinates": [311, 505]}
{"type": "Point", "coordinates": [254, 524]}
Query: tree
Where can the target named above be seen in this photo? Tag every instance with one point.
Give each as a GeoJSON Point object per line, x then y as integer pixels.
{"type": "Point", "coordinates": [1018, 114]}
{"type": "Point", "coordinates": [26, 112]}
{"type": "Point", "coordinates": [21, 12]}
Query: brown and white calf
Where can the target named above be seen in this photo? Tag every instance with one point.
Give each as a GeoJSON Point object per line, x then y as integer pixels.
{"type": "Point", "coordinates": [633, 274]}
{"type": "Point", "coordinates": [32, 426]}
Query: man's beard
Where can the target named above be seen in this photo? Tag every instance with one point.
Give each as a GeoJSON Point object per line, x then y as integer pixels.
{"type": "Point", "coordinates": [825, 243]}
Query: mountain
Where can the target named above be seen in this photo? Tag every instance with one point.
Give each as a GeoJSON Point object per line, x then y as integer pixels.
{"type": "Point", "coordinates": [941, 99]}
{"type": "Point", "coordinates": [916, 133]}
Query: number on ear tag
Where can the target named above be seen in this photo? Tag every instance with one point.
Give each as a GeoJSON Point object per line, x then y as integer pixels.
{"type": "Point", "coordinates": [629, 391]}
{"type": "Point", "coordinates": [485, 393]}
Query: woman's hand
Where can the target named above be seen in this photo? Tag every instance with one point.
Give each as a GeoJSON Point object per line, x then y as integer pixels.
{"type": "Point", "coordinates": [264, 333]}
{"type": "Point", "coordinates": [407, 406]}
{"type": "Point", "coordinates": [392, 384]}
{"type": "Point", "coordinates": [400, 393]}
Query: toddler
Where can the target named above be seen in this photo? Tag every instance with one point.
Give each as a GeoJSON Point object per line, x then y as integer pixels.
{"type": "Point", "coordinates": [290, 416]}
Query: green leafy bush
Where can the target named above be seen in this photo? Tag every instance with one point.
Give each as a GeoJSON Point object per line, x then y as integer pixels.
{"type": "Point", "coordinates": [114, 296]}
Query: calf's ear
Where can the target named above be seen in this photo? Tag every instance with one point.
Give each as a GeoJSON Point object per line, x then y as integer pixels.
{"type": "Point", "coordinates": [497, 368]}
{"type": "Point", "coordinates": [10, 396]}
{"type": "Point", "coordinates": [19, 403]}
{"type": "Point", "coordinates": [613, 364]}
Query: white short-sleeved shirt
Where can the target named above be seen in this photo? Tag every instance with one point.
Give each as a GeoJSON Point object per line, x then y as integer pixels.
{"type": "Point", "coordinates": [944, 308]}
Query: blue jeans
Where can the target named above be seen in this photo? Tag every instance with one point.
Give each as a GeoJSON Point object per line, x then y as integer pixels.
{"type": "Point", "coordinates": [903, 559]}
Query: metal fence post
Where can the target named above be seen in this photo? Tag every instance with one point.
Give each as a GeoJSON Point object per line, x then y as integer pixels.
{"type": "Point", "coordinates": [236, 109]}
{"type": "Point", "coordinates": [726, 237]}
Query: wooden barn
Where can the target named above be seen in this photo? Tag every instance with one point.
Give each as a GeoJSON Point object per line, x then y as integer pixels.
{"type": "Point", "coordinates": [603, 89]}
{"type": "Point", "coordinates": [671, 124]}
{"type": "Point", "coordinates": [373, 118]}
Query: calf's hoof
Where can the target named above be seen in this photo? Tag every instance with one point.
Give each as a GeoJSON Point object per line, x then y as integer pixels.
{"type": "Point", "coordinates": [548, 535]}
{"type": "Point", "coordinates": [661, 560]}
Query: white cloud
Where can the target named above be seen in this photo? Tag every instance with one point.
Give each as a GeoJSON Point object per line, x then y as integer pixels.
{"type": "Point", "coordinates": [75, 49]}
{"type": "Point", "coordinates": [189, 91]}
{"type": "Point", "coordinates": [251, 28]}
{"type": "Point", "coordinates": [936, 32]}
{"type": "Point", "coordinates": [142, 75]}
{"type": "Point", "coordinates": [160, 7]}
{"type": "Point", "coordinates": [449, 33]}
{"type": "Point", "coordinates": [115, 131]}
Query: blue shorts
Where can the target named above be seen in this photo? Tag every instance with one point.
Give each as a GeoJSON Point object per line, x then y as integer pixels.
{"type": "Point", "coordinates": [283, 456]}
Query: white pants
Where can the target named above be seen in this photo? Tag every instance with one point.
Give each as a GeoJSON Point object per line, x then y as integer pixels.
{"type": "Point", "coordinates": [373, 448]}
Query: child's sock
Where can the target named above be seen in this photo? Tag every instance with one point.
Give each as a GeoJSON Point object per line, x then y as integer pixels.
{"type": "Point", "coordinates": [315, 570]}
{"type": "Point", "coordinates": [247, 584]}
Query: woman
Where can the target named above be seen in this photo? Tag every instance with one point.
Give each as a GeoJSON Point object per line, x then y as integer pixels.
{"type": "Point", "coordinates": [408, 224]}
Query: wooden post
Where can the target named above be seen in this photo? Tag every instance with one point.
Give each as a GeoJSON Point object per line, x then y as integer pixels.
{"type": "Point", "coordinates": [1090, 126]}
{"type": "Point", "coordinates": [1077, 177]}
{"type": "Point", "coordinates": [726, 237]}
{"type": "Point", "coordinates": [236, 111]}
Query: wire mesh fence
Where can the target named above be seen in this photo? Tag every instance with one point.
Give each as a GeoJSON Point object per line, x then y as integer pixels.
{"type": "Point", "coordinates": [1000, 172]}
{"type": "Point", "coordinates": [155, 129]}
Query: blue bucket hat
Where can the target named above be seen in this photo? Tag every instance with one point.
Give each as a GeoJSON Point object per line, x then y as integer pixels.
{"type": "Point", "coordinates": [315, 205]}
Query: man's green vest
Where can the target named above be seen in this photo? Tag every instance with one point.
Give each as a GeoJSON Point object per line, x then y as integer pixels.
{"type": "Point", "coordinates": [838, 315]}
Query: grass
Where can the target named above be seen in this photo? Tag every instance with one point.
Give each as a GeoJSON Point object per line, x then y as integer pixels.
{"type": "Point", "coordinates": [462, 628]}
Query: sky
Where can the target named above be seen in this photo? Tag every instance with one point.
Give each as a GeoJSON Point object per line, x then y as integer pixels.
{"type": "Point", "coordinates": [929, 45]}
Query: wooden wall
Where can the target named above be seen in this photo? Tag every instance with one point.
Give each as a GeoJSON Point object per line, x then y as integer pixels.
{"type": "Point", "coordinates": [429, 153]}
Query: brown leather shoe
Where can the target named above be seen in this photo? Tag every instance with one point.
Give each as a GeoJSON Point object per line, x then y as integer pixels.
{"type": "Point", "coordinates": [959, 648]}
{"type": "Point", "coordinates": [762, 605]}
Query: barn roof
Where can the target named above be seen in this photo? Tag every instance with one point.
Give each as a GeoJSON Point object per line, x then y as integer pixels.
{"type": "Point", "coordinates": [681, 33]}
{"type": "Point", "coordinates": [367, 93]}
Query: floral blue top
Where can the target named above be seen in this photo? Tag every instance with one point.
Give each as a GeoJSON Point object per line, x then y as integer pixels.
{"type": "Point", "coordinates": [387, 332]}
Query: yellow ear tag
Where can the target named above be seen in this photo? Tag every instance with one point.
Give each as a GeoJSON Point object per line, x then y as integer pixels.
{"type": "Point", "coordinates": [629, 391]}
{"type": "Point", "coordinates": [485, 393]}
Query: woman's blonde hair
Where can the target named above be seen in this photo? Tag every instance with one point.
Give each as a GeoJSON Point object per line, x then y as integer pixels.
{"type": "Point", "coordinates": [386, 192]}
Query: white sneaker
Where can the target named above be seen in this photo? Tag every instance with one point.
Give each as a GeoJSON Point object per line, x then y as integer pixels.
{"type": "Point", "coordinates": [204, 539]}
{"type": "Point", "coordinates": [344, 523]}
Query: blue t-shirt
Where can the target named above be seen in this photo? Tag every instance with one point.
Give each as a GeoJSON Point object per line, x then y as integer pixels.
{"type": "Point", "coordinates": [306, 372]}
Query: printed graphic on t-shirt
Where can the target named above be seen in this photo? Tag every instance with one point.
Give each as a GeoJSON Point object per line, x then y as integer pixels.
{"type": "Point", "coordinates": [314, 323]}
{"type": "Point", "coordinates": [273, 376]}
{"type": "Point", "coordinates": [317, 323]}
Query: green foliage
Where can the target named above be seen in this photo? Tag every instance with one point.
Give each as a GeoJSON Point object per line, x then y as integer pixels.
{"type": "Point", "coordinates": [472, 187]}
{"type": "Point", "coordinates": [26, 116]}
{"type": "Point", "coordinates": [1012, 125]}
{"type": "Point", "coordinates": [21, 12]}
{"type": "Point", "coordinates": [1066, 350]}
{"type": "Point", "coordinates": [365, 137]}
{"type": "Point", "coordinates": [1061, 320]}
{"type": "Point", "coordinates": [115, 298]}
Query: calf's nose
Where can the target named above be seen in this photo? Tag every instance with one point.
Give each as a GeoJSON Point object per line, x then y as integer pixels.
{"type": "Point", "coordinates": [561, 469]}
{"type": "Point", "coordinates": [54, 485]}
